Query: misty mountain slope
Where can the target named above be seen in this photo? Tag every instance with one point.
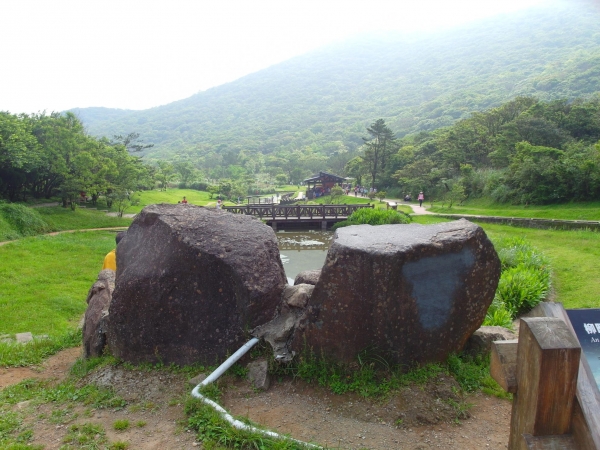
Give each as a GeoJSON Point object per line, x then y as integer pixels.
{"type": "Point", "coordinates": [416, 82]}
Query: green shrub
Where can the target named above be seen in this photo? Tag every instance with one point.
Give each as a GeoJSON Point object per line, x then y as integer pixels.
{"type": "Point", "coordinates": [521, 288]}
{"type": "Point", "coordinates": [525, 280]}
{"type": "Point", "coordinates": [86, 435]}
{"type": "Point", "coordinates": [498, 315]}
{"type": "Point", "coordinates": [121, 425]}
{"type": "Point", "coordinates": [25, 221]}
{"type": "Point", "coordinates": [374, 217]}
{"type": "Point", "coordinates": [515, 251]}
{"type": "Point", "coordinates": [7, 233]}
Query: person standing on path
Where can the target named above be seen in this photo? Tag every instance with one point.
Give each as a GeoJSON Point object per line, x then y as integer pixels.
{"type": "Point", "coordinates": [421, 197]}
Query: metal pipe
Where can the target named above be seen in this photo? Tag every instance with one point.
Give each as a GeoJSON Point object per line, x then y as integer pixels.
{"type": "Point", "coordinates": [224, 414]}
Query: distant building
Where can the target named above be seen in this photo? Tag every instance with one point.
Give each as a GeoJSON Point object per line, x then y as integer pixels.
{"type": "Point", "coordinates": [319, 185]}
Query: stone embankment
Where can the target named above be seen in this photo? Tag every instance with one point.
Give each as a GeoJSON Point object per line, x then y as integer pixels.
{"type": "Point", "coordinates": [555, 224]}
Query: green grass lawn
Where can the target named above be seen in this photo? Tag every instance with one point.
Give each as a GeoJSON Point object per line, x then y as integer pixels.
{"type": "Point", "coordinates": [172, 196]}
{"type": "Point", "coordinates": [45, 279]}
{"type": "Point", "coordinates": [575, 260]}
{"type": "Point", "coordinates": [59, 218]}
{"type": "Point", "coordinates": [566, 211]}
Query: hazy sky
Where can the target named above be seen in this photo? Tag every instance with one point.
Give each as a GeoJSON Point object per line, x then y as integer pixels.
{"type": "Point", "coordinates": [136, 54]}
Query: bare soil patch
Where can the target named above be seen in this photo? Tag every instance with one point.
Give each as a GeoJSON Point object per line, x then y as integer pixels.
{"type": "Point", "coordinates": [418, 417]}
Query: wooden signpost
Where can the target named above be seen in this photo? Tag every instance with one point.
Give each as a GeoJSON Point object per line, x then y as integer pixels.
{"type": "Point", "coordinates": [556, 400]}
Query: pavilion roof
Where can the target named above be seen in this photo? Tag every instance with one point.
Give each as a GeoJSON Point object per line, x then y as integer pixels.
{"type": "Point", "coordinates": [325, 176]}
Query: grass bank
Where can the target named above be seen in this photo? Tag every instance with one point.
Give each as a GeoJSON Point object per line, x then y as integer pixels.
{"type": "Point", "coordinates": [45, 280]}
{"type": "Point", "coordinates": [574, 257]}
{"type": "Point", "coordinates": [485, 207]}
{"type": "Point", "coordinates": [154, 197]}
{"type": "Point", "coordinates": [23, 221]}
{"type": "Point", "coordinates": [60, 219]}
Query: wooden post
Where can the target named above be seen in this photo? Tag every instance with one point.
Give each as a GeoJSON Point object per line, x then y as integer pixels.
{"type": "Point", "coordinates": [503, 364]}
{"type": "Point", "coordinates": [547, 369]}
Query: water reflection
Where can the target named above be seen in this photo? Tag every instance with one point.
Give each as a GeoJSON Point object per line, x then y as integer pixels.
{"type": "Point", "coordinates": [301, 251]}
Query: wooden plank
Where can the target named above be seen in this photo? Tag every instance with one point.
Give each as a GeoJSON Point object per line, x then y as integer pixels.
{"type": "Point", "coordinates": [503, 364]}
{"type": "Point", "coordinates": [586, 415]}
{"type": "Point", "coordinates": [547, 367]}
{"type": "Point", "coordinates": [563, 442]}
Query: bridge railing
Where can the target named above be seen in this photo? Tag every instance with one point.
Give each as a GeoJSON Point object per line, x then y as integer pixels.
{"type": "Point", "coordinates": [296, 212]}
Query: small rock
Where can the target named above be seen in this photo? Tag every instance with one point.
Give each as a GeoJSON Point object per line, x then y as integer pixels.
{"type": "Point", "coordinates": [198, 379]}
{"type": "Point", "coordinates": [258, 374]}
{"type": "Point", "coordinates": [298, 295]}
{"type": "Point", "coordinates": [23, 338]}
{"type": "Point", "coordinates": [23, 405]}
{"type": "Point", "coordinates": [308, 277]}
{"type": "Point", "coordinates": [481, 340]}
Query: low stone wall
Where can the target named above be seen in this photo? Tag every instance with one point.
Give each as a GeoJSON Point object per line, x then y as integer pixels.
{"type": "Point", "coordinates": [555, 224]}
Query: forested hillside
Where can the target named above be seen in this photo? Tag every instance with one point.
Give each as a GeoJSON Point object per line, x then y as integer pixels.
{"type": "Point", "coordinates": [523, 152]}
{"type": "Point", "coordinates": [321, 102]}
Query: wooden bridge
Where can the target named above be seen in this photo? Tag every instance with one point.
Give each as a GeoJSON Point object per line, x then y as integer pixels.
{"type": "Point", "coordinates": [302, 215]}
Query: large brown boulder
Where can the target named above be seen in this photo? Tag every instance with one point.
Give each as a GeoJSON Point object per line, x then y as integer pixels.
{"type": "Point", "coordinates": [190, 282]}
{"type": "Point", "coordinates": [96, 314]}
{"type": "Point", "coordinates": [410, 293]}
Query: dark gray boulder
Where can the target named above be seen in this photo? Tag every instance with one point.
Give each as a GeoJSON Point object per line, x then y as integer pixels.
{"type": "Point", "coordinates": [191, 282]}
{"type": "Point", "coordinates": [96, 315]}
{"type": "Point", "coordinates": [410, 293]}
{"type": "Point", "coordinates": [308, 277]}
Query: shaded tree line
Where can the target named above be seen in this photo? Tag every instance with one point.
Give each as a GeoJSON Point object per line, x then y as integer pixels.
{"type": "Point", "coordinates": [524, 151]}
{"type": "Point", "coordinates": [44, 156]}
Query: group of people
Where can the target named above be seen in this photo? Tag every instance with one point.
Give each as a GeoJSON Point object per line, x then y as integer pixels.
{"type": "Point", "coordinates": [219, 202]}
{"type": "Point", "coordinates": [420, 198]}
{"type": "Point", "coordinates": [363, 191]}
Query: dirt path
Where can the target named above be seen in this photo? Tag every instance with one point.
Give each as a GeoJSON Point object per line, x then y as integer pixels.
{"type": "Point", "coordinates": [56, 367]}
{"type": "Point", "coordinates": [45, 205]}
{"type": "Point", "coordinates": [417, 418]}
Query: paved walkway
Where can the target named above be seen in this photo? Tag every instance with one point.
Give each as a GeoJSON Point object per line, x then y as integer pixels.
{"type": "Point", "coordinates": [417, 210]}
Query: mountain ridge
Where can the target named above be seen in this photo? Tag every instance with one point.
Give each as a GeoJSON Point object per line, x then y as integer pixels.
{"type": "Point", "coordinates": [416, 83]}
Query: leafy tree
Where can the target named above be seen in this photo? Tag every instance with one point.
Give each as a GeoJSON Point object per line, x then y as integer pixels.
{"type": "Point", "coordinates": [123, 200]}
{"type": "Point", "coordinates": [281, 179]}
{"type": "Point", "coordinates": [378, 148]}
{"type": "Point", "coordinates": [165, 173]}
{"type": "Point", "coordinates": [131, 141]}
{"type": "Point", "coordinates": [336, 193]}
{"type": "Point", "coordinates": [356, 169]}
{"type": "Point", "coordinates": [213, 189]}
{"type": "Point", "coordinates": [186, 171]}
{"type": "Point", "coordinates": [18, 154]}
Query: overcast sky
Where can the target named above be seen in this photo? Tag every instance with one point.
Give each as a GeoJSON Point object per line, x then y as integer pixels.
{"type": "Point", "coordinates": [136, 54]}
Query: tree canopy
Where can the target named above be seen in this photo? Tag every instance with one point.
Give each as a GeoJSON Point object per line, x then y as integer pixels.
{"type": "Point", "coordinates": [47, 155]}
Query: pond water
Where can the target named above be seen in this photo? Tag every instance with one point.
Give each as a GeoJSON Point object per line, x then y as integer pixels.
{"type": "Point", "coordinates": [302, 250]}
